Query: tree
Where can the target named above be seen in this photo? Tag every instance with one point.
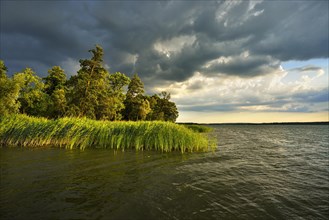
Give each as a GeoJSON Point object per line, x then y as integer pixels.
{"type": "Point", "coordinates": [58, 103]}
{"type": "Point", "coordinates": [135, 87]}
{"type": "Point", "coordinates": [143, 109]}
{"type": "Point", "coordinates": [9, 92]}
{"type": "Point", "coordinates": [3, 70]}
{"type": "Point", "coordinates": [162, 108]}
{"type": "Point", "coordinates": [32, 99]}
{"type": "Point", "coordinates": [112, 102]}
{"type": "Point", "coordinates": [55, 88]}
{"type": "Point", "coordinates": [156, 113]}
{"type": "Point", "coordinates": [88, 89]}
{"type": "Point", "coordinates": [136, 104]}
{"type": "Point", "coordinates": [56, 79]}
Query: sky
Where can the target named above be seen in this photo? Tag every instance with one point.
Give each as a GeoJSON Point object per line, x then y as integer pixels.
{"type": "Point", "coordinates": [222, 61]}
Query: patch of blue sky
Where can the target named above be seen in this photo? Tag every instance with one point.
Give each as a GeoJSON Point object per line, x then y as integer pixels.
{"type": "Point", "coordinates": [294, 67]}
{"type": "Point", "coordinates": [291, 64]}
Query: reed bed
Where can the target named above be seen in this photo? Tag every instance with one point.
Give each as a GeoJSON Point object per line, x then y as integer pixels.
{"type": "Point", "coordinates": [82, 133]}
{"type": "Point", "coordinates": [198, 128]}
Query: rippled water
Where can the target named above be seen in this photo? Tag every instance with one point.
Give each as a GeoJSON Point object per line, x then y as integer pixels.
{"type": "Point", "coordinates": [258, 172]}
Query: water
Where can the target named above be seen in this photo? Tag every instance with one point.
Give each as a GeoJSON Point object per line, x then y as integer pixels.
{"type": "Point", "coordinates": [258, 172]}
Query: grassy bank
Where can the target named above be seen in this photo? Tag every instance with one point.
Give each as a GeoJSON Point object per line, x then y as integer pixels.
{"type": "Point", "coordinates": [198, 128]}
{"type": "Point", "coordinates": [21, 130]}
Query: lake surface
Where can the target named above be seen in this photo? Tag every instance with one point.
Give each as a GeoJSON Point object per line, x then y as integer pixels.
{"type": "Point", "coordinates": [257, 172]}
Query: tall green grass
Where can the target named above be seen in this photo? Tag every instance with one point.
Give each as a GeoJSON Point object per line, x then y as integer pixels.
{"type": "Point", "coordinates": [22, 130]}
{"type": "Point", "coordinates": [198, 128]}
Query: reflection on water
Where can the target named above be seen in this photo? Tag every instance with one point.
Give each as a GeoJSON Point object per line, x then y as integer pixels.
{"type": "Point", "coordinates": [258, 172]}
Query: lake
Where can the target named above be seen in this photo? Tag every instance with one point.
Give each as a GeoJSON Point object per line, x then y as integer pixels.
{"type": "Point", "coordinates": [257, 172]}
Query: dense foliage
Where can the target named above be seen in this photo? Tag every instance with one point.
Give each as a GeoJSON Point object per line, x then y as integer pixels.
{"type": "Point", "coordinates": [92, 93]}
{"type": "Point", "coordinates": [22, 130]}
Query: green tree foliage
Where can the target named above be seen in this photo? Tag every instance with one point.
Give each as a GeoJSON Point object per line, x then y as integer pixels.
{"type": "Point", "coordinates": [136, 104]}
{"type": "Point", "coordinates": [112, 101]}
{"type": "Point", "coordinates": [3, 70]}
{"type": "Point", "coordinates": [94, 92]}
{"type": "Point", "coordinates": [58, 104]}
{"type": "Point", "coordinates": [33, 101]}
{"type": "Point", "coordinates": [55, 80]}
{"type": "Point", "coordinates": [9, 92]}
{"type": "Point", "coordinates": [135, 87]}
{"type": "Point", "coordinates": [89, 87]}
{"type": "Point", "coordinates": [55, 88]}
{"type": "Point", "coordinates": [162, 108]}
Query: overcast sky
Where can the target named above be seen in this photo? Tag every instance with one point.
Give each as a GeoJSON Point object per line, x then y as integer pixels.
{"type": "Point", "coordinates": [222, 61]}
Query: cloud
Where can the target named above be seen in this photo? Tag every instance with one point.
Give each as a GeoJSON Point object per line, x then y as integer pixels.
{"type": "Point", "coordinates": [307, 69]}
{"type": "Point", "coordinates": [171, 40]}
{"type": "Point", "coordinates": [313, 96]}
{"type": "Point", "coordinates": [296, 30]}
{"type": "Point", "coordinates": [243, 65]}
{"type": "Point", "coordinates": [264, 93]}
{"type": "Point", "coordinates": [47, 32]}
{"type": "Point", "coordinates": [70, 66]}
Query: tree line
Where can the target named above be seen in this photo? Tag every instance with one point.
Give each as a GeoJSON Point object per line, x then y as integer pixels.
{"type": "Point", "coordinates": [93, 93]}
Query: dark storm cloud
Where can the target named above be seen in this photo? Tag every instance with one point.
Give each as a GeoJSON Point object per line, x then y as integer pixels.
{"type": "Point", "coordinates": [37, 34]}
{"type": "Point", "coordinates": [46, 33]}
{"type": "Point", "coordinates": [245, 67]}
{"type": "Point", "coordinates": [314, 96]}
{"type": "Point", "coordinates": [298, 30]}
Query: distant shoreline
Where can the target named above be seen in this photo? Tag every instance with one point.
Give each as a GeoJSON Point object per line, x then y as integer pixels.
{"type": "Point", "coordinates": [266, 123]}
